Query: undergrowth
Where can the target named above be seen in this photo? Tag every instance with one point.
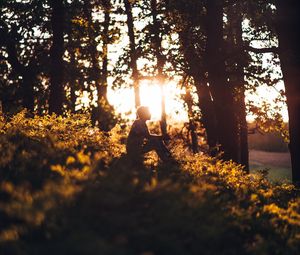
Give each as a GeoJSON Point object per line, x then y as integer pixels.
{"type": "Point", "coordinates": [67, 188]}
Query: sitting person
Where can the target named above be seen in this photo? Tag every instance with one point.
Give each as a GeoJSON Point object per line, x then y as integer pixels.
{"type": "Point", "coordinates": [140, 141]}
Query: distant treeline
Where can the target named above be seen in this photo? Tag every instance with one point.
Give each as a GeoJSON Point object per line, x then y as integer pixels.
{"type": "Point", "coordinates": [267, 142]}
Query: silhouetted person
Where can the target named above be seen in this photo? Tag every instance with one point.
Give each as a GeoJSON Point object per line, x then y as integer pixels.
{"type": "Point", "coordinates": [140, 141]}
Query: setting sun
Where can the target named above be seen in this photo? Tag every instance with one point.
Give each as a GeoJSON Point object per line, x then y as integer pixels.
{"type": "Point", "coordinates": [151, 96]}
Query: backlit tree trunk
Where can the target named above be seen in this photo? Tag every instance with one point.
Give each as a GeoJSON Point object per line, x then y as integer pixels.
{"type": "Point", "coordinates": [72, 82]}
{"type": "Point", "coordinates": [29, 77]}
{"type": "Point", "coordinates": [208, 115]}
{"type": "Point", "coordinates": [56, 96]}
{"type": "Point", "coordinates": [238, 64]}
{"type": "Point", "coordinates": [192, 126]}
{"type": "Point", "coordinates": [160, 64]}
{"type": "Point", "coordinates": [222, 93]}
{"type": "Point", "coordinates": [208, 118]}
{"type": "Point", "coordinates": [133, 52]}
{"type": "Point", "coordinates": [105, 41]}
{"type": "Point", "coordinates": [287, 25]}
{"type": "Point", "coordinates": [101, 85]}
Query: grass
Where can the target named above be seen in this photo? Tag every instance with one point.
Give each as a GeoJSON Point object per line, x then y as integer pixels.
{"type": "Point", "coordinates": [67, 188]}
{"type": "Point", "coordinates": [277, 164]}
{"type": "Point", "coordinates": [275, 174]}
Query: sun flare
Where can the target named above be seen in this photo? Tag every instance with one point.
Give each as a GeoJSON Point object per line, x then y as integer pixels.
{"type": "Point", "coordinates": [151, 96]}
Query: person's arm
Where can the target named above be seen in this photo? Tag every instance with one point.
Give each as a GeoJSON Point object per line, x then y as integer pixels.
{"type": "Point", "coordinates": [140, 129]}
{"type": "Point", "coordinates": [146, 132]}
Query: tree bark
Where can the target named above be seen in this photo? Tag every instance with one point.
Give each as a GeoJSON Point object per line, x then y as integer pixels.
{"type": "Point", "coordinates": [56, 96]}
{"type": "Point", "coordinates": [192, 126]}
{"type": "Point", "coordinates": [236, 39]}
{"type": "Point", "coordinates": [208, 115]}
{"type": "Point", "coordinates": [29, 77]}
{"type": "Point", "coordinates": [289, 52]}
{"type": "Point", "coordinates": [205, 102]}
{"type": "Point", "coordinates": [222, 93]}
{"type": "Point", "coordinates": [94, 53]}
{"type": "Point", "coordinates": [72, 82]}
{"type": "Point", "coordinates": [105, 40]}
{"type": "Point", "coordinates": [133, 52]}
{"type": "Point", "coordinates": [160, 64]}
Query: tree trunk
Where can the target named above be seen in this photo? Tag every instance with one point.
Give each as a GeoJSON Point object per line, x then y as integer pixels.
{"type": "Point", "coordinates": [72, 82]}
{"type": "Point", "coordinates": [29, 77]}
{"type": "Point", "coordinates": [221, 91]}
{"type": "Point", "coordinates": [236, 39]}
{"type": "Point", "coordinates": [105, 40]}
{"type": "Point", "coordinates": [133, 52]}
{"type": "Point", "coordinates": [56, 96]}
{"type": "Point", "coordinates": [208, 118]}
{"type": "Point", "coordinates": [243, 129]}
{"type": "Point", "coordinates": [287, 23]}
{"type": "Point", "coordinates": [160, 64]}
{"type": "Point", "coordinates": [94, 53]}
{"type": "Point", "coordinates": [103, 114]}
{"type": "Point", "coordinates": [192, 127]}
{"type": "Point", "coordinates": [242, 121]}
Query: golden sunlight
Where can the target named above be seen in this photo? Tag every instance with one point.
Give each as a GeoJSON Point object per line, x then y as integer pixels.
{"type": "Point", "coordinates": [151, 96]}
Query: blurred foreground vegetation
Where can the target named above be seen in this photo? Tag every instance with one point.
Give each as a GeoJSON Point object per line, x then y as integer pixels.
{"type": "Point", "coordinates": [67, 188]}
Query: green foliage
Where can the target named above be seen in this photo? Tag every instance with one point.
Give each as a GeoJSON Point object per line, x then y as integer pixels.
{"type": "Point", "coordinates": [269, 121]}
{"type": "Point", "coordinates": [68, 188]}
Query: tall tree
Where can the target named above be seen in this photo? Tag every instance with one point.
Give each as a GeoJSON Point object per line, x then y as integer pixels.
{"type": "Point", "coordinates": [197, 71]}
{"type": "Point", "coordinates": [236, 63]}
{"type": "Point", "coordinates": [222, 93]}
{"type": "Point", "coordinates": [188, 99]}
{"type": "Point", "coordinates": [188, 21]}
{"type": "Point", "coordinates": [72, 80]}
{"type": "Point", "coordinates": [288, 20]}
{"type": "Point", "coordinates": [78, 46]}
{"type": "Point", "coordinates": [56, 96]}
{"type": "Point", "coordinates": [160, 58]}
{"type": "Point", "coordinates": [105, 40]}
{"type": "Point", "coordinates": [133, 51]}
{"type": "Point", "coordinates": [98, 75]}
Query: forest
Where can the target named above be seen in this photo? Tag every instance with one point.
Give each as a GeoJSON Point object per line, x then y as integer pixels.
{"type": "Point", "coordinates": [73, 73]}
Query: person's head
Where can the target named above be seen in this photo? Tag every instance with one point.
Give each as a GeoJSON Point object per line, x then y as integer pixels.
{"type": "Point", "coordinates": [143, 113]}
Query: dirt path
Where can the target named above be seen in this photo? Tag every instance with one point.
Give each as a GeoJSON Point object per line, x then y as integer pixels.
{"type": "Point", "coordinates": [276, 159]}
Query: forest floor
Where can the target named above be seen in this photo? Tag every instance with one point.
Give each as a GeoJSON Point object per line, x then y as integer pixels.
{"type": "Point", "coordinates": [277, 163]}
{"type": "Point", "coordinates": [68, 188]}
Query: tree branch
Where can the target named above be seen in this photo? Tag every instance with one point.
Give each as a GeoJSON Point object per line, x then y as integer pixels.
{"type": "Point", "coordinates": [262, 50]}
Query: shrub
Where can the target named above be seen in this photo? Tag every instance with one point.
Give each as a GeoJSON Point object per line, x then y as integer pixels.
{"type": "Point", "coordinates": [68, 188]}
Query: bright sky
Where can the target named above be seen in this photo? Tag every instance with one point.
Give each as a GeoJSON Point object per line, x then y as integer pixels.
{"type": "Point", "coordinates": [150, 93]}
